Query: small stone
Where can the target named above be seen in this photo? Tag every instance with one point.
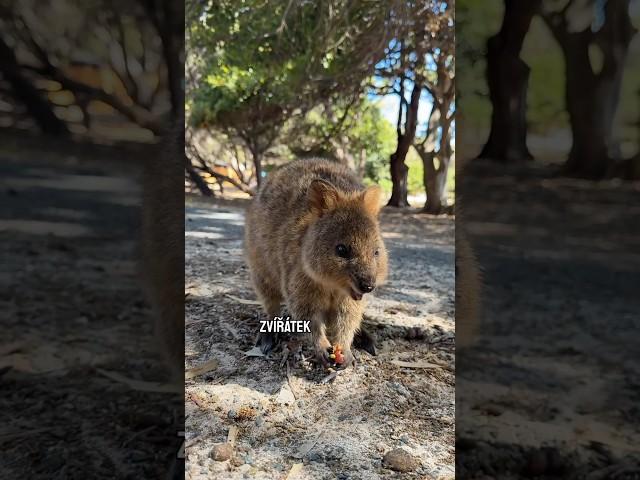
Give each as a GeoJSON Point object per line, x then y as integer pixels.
{"type": "Point", "coordinates": [221, 452]}
{"type": "Point", "coordinates": [260, 421]}
{"type": "Point", "coordinates": [405, 439]}
{"type": "Point", "coordinates": [232, 414]}
{"type": "Point", "coordinates": [400, 460]}
{"type": "Point", "coordinates": [248, 459]}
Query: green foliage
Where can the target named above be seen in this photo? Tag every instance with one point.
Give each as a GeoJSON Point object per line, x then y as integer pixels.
{"type": "Point", "coordinates": [478, 21]}
{"type": "Point", "coordinates": [344, 128]}
{"type": "Point", "coordinates": [377, 171]}
{"type": "Point", "coordinates": [545, 98]}
{"type": "Point", "coordinates": [415, 180]}
{"type": "Point", "coordinates": [260, 62]}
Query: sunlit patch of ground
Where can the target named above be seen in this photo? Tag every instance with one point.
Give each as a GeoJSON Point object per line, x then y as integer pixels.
{"type": "Point", "coordinates": [336, 430]}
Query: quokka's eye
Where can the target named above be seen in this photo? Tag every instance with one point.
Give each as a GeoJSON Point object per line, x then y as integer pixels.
{"type": "Point", "coordinates": [377, 252]}
{"type": "Point", "coordinates": [342, 251]}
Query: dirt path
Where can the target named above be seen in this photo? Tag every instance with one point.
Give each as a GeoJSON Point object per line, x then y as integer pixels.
{"type": "Point", "coordinates": [284, 414]}
{"type": "Point", "coordinates": [557, 364]}
{"type": "Point", "coordinates": [72, 307]}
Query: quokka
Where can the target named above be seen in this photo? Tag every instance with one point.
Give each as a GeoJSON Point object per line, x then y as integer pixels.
{"type": "Point", "coordinates": [312, 240]}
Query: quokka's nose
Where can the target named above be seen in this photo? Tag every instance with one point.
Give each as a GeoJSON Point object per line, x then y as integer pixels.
{"type": "Point", "coordinates": [365, 286]}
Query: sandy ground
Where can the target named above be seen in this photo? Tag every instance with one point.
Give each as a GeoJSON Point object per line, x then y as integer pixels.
{"type": "Point", "coordinates": [284, 414]}
{"type": "Point", "coordinates": [72, 309]}
{"type": "Point", "coordinates": [551, 387]}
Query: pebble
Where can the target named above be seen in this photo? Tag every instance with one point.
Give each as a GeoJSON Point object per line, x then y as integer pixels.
{"type": "Point", "coordinates": [232, 414]}
{"type": "Point", "coordinates": [259, 420]}
{"type": "Point", "coordinates": [221, 452]}
{"type": "Point", "coordinates": [400, 460]}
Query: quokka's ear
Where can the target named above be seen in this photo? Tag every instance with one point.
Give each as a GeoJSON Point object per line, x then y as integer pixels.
{"type": "Point", "coordinates": [371, 199]}
{"type": "Point", "coordinates": [322, 196]}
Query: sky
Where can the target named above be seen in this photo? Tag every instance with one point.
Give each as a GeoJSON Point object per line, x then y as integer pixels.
{"type": "Point", "coordinates": [389, 105]}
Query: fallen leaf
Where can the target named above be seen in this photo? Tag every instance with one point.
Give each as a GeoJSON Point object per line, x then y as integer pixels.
{"type": "Point", "coordinates": [329, 377]}
{"type": "Point", "coordinates": [233, 433]}
{"type": "Point", "coordinates": [296, 468]}
{"type": "Point", "coordinates": [419, 364]}
{"type": "Point", "coordinates": [254, 352]}
{"type": "Point", "coordinates": [243, 300]}
{"type": "Point", "coordinates": [141, 385]}
{"type": "Point", "coordinates": [307, 446]}
{"type": "Point", "coordinates": [206, 367]}
{"type": "Point", "coordinates": [286, 397]}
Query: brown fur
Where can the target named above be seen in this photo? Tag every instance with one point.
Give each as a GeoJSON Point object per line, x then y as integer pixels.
{"type": "Point", "coordinates": [163, 247]}
{"type": "Point", "coordinates": [301, 213]}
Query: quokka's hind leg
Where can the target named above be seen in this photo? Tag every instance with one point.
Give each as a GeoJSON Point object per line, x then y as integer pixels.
{"type": "Point", "coordinates": [364, 340]}
{"type": "Point", "coordinates": [271, 300]}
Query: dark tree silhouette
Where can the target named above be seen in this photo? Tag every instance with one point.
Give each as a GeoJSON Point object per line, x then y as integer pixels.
{"type": "Point", "coordinates": [592, 91]}
{"type": "Point", "coordinates": [24, 92]}
{"type": "Point", "coordinates": [399, 170]}
{"type": "Point", "coordinates": [507, 78]}
{"type": "Point", "coordinates": [104, 37]}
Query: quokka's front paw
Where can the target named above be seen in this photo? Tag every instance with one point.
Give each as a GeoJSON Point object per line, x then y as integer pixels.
{"type": "Point", "coordinates": [335, 357]}
{"type": "Point", "coordinates": [348, 360]}
{"type": "Point", "coordinates": [323, 356]}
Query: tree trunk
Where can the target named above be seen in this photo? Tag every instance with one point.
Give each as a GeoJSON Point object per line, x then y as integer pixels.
{"type": "Point", "coordinates": [37, 106]}
{"type": "Point", "coordinates": [196, 178]}
{"type": "Point", "coordinates": [169, 23]}
{"type": "Point", "coordinates": [172, 37]}
{"type": "Point", "coordinates": [399, 171]}
{"type": "Point", "coordinates": [435, 182]}
{"type": "Point", "coordinates": [399, 180]}
{"type": "Point", "coordinates": [257, 165]}
{"type": "Point", "coordinates": [507, 78]}
{"type": "Point", "coordinates": [592, 96]}
{"type": "Point", "coordinates": [435, 179]}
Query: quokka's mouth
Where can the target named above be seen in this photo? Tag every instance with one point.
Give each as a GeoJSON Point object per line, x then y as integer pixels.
{"type": "Point", "coordinates": [355, 294]}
